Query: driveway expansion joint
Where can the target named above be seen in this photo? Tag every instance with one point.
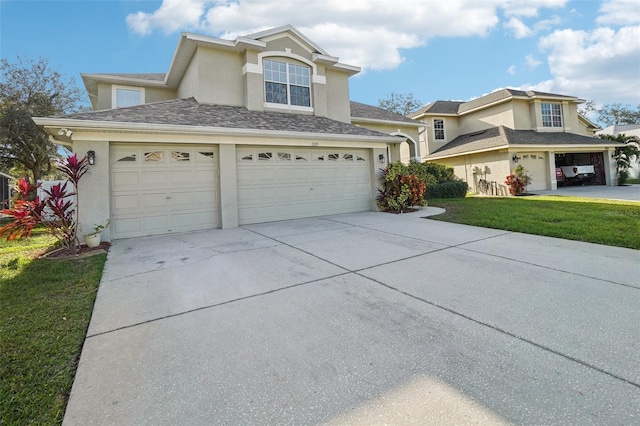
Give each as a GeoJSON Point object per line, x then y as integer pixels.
{"type": "Point", "coordinates": [215, 305]}
{"type": "Point", "coordinates": [505, 332]}
{"type": "Point", "coordinates": [547, 267]}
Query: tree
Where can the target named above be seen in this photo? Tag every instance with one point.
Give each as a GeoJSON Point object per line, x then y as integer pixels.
{"type": "Point", "coordinates": [587, 108]}
{"type": "Point", "coordinates": [400, 103]}
{"type": "Point", "coordinates": [28, 89]}
{"type": "Point", "coordinates": [619, 114]}
{"type": "Point", "coordinates": [624, 156]}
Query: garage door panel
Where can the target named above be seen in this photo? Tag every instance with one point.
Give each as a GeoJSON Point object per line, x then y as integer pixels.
{"type": "Point", "coordinates": [122, 203]}
{"type": "Point", "coordinates": [153, 201]}
{"type": "Point", "coordinates": [159, 189]}
{"type": "Point", "coordinates": [125, 180]}
{"type": "Point", "coordinates": [125, 226]}
{"type": "Point", "coordinates": [153, 178]}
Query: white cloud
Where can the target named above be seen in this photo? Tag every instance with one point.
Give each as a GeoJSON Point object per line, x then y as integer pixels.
{"type": "Point", "coordinates": [511, 70]}
{"type": "Point", "coordinates": [371, 34]}
{"type": "Point", "coordinates": [619, 12]}
{"type": "Point", "coordinates": [173, 15]}
{"type": "Point", "coordinates": [529, 8]}
{"type": "Point", "coordinates": [518, 28]}
{"type": "Point", "coordinates": [532, 62]}
{"type": "Point", "coordinates": [601, 64]}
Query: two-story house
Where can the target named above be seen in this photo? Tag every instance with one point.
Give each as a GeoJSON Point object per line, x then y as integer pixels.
{"type": "Point", "coordinates": [487, 137]}
{"type": "Point", "coordinates": [241, 131]}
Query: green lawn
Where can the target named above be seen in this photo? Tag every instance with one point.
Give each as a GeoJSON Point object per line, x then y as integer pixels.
{"type": "Point", "coordinates": [46, 306]}
{"type": "Point", "coordinates": [614, 223]}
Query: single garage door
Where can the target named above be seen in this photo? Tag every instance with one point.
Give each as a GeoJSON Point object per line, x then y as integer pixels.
{"type": "Point", "coordinates": [163, 189]}
{"type": "Point", "coordinates": [288, 183]}
{"type": "Point", "coordinates": [536, 165]}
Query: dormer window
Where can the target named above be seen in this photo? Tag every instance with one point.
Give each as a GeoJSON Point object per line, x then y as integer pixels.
{"type": "Point", "coordinates": [551, 115]}
{"type": "Point", "coordinates": [124, 96]}
{"type": "Point", "coordinates": [438, 129]}
{"type": "Point", "coordinates": [287, 84]}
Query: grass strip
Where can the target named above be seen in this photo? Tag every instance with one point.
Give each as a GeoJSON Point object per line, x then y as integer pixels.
{"type": "Point", "coordinates": [609, 222]}
{"type": "Point", "coordinates": [46, 306]}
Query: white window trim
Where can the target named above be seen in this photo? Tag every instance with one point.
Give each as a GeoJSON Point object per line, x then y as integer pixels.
{"type": "Point", "coordinates": [551, 116]}
{"type": "Point", "coordinates": [444, 129]}
{"type": "Point", "coordinates": [288, 106]}
{"type": "Point", "coordinates": [114, 89]}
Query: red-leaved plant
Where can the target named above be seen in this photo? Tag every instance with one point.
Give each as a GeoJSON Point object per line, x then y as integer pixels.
{"type": "Point", "coordinates": [56, 211]}
{"type": "Point", "coordinates": [516, 186]}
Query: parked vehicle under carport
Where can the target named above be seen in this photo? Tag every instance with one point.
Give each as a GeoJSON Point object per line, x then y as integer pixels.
{"type": "Point", "coordinates": [583, 168]}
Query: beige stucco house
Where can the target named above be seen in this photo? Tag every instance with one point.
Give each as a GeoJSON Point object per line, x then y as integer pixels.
{"type": "Point", "coordinates": [487, 137]}
{"type": "Point", "coordinates": [241, 131]}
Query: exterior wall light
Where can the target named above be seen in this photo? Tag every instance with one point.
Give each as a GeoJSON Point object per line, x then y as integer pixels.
{"type": "Point", "coordinates": [515, 158]}
{"type": "Point", "coordinates": [91, 157]}
{"type": "Point", "coordinates": [381, 158]}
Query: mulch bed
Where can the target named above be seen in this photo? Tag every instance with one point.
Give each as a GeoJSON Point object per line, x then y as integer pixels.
{"type": "Point", "coordinates": [84, 251]}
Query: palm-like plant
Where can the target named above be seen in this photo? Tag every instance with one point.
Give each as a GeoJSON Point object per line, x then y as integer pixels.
{"type": "Point", "coordinates": [624, 156]}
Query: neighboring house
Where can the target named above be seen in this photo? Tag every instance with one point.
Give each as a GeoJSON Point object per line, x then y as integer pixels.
{"type": "Point", "coordinates": [487, 137]}
{"type": "Point", "coordinates": [627, 130]}
{"type": "Point", "coordinates": [240, 131]}
{"type": "Point", "coordinates": [5, 190]}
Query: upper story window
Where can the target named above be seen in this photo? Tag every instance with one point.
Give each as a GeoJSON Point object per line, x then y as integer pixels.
{"type": "Point", "coordinates": [551, 115]}
{"type": "Point", "coordinates": [287, 84]}
{"type": "Point", "coordinates": [438, 129]}
{"type": "Point", "coordinates": [124, 96]}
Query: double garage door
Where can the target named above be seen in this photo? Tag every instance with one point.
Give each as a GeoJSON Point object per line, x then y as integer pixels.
{"type": "Point", "coordinates": [276, 183]}
{"type": "Point", "coordinates": [158, 189]}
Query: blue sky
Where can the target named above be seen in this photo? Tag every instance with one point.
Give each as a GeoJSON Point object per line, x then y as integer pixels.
{"type": "Point", "coordinates": [437, 50]}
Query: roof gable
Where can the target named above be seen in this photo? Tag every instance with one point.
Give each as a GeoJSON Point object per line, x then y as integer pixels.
{"type": "Point", "coordinates": [290, 32]}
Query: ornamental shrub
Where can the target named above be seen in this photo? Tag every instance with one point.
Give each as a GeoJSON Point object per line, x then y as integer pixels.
{"type": "Point", "coordinates": [516, 186]}
{"type": "Point", "coordinates": [400, 189]}
{"type": "Point", "coordinates": [455, 189]}
{"type": "Point", "coordinates": [518, 180]}
{"type": "Point", "coordinates": [56, 211]}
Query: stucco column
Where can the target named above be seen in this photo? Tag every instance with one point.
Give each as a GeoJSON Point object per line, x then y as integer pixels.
{"type": "Point", "coordinates": [228, 187]}
{"type": "Point", "coordinates": [610, 173]}
{"type": "Point", "coordinates": [551, 161]}
{"type": "Point", "coordinates": [394, 153]}
{"type": "Point", "coordinates": [376, 173]}
{"type": "Point", "coordinates": [94, 188]}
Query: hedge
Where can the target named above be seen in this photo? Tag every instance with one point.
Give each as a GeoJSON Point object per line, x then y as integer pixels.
{"type": "Point", "coordinates": [455, 189]}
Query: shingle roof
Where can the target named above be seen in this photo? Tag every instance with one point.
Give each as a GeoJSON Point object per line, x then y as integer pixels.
{"type": "Point", "coordinates": [359, 110]}
{"type": "Point", "coordinates": [188, 112]}
{"type": "Point", "coordinates": [138, 76]}
{"type": "Point", "coordinates": [439, 107]}
{"type": "Point", "coordinates": [458, 107]}
{"type": "Point", "coordinates": [501, 136]}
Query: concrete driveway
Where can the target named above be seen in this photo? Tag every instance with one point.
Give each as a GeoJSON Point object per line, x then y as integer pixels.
{"type": "Point", "coordinates": [367, 318]}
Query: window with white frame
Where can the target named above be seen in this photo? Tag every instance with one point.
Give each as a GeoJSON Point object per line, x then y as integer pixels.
{"type": "Point", "coordinates": [287, 84]}
{"type": "Point", "coordinates": [551, 115]}
{"type": "Point", "coordinates": [124, 96]}
{"type": "Point", "coordinates": [438, 129]}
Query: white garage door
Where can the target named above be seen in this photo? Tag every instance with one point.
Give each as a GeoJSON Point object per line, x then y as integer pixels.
{"type": "Point", "coordinates": [536, 166]}
{"type": "Point", "coordinates": [163, 189]}
{"type": "Point", "coordinates": [288, 183]}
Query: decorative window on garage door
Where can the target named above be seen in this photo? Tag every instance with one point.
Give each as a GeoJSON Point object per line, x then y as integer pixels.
{"type": "Point", "coordinates": [180, 156]}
